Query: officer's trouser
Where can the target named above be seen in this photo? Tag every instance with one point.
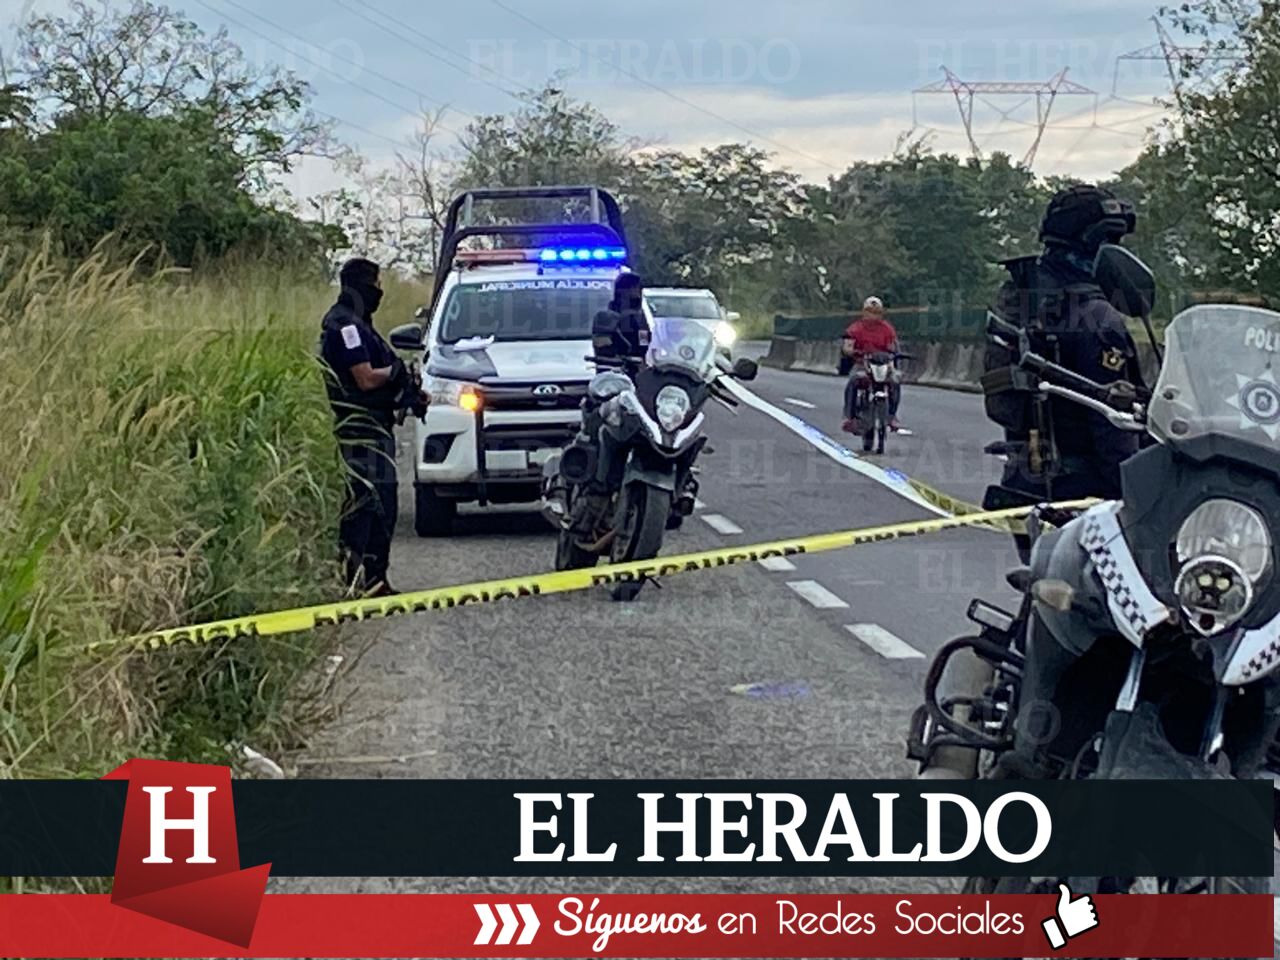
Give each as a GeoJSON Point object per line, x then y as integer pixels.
{"type": "Point", "coordinates": [369, 513]}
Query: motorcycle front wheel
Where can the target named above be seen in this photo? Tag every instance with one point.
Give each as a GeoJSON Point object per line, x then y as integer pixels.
{"type": "Point", "coordinates": [640, 522]}
{"type": "Point", "coordinates": [880, 422]}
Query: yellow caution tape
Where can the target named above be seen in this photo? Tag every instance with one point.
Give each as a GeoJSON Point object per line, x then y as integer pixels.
{"type": "Point", "coordinates": [962, 508]}
{"type": "Point", "coordinates": [537, 585]}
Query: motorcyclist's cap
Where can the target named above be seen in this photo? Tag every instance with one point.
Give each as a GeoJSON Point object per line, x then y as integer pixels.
{"type": "Point", "coordinates": [873, 306]}
{"type": "Point", "coordinates": [1084, 216]}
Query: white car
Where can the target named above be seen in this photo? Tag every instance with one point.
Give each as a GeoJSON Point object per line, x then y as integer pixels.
{"type": "Point", "coordinates": [689, 303]}
{"type": "Point", "coordinates": [505, 363]}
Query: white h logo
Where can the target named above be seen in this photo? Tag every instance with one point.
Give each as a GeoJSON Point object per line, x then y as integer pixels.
{"type": "Point", "coordinates": [198, 824]}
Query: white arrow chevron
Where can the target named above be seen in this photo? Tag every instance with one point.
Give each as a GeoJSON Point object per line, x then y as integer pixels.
{"type": "Point", "coordinates": [531, 923]}
{"type": "Point", "coordinates": [509, 923]}
{"type": "Point", "coordinates": [487, 923]}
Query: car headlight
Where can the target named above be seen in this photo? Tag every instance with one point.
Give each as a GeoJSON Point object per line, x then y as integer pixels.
{"type": "Point", "coordinates": [672, 407]}
{"type": "Point", "coordinates": [451, 393]}
{"type": "Point", "coordinates": [725, 334]}
{"type": "Point", "coordinates": [1224, 551]}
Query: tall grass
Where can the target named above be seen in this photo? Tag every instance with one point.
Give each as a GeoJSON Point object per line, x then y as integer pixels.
{"type": "Point", "coordinates": [165, 455]}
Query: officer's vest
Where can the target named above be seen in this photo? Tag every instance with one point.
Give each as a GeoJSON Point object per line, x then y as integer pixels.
{"type": "Point", "coordinates": [1031, 300]}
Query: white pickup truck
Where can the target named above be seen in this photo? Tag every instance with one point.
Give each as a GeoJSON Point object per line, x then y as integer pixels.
{"type": "Point", "coordinates": [505, 348]}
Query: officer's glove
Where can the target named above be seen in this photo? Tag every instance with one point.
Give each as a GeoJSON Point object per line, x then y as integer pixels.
{"type": "Point", "coordinates": [1122, 395]}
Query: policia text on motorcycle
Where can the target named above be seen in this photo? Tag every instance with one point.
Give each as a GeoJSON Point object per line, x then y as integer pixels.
{"type": "Point", "coordinates": [367, 385]}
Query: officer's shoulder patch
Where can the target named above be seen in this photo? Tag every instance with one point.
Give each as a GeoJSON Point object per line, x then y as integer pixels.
{"type": "Point", "coordinates": [351, 336]}
{"type": "Point", "coordinates": [1113, 359]}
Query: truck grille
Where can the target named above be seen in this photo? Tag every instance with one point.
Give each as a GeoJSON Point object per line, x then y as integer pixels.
{"type": "Point", "coordinates": [533, 396]}
{"type": "Point", "coordinates": [527, 437]}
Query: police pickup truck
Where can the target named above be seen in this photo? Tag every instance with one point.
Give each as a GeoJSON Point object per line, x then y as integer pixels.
{"type": "Point", "coordinates": [506, 343]}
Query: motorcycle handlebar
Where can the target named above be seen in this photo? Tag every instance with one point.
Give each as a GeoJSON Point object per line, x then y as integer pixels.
{"type": "Point", "coordinates": [1062, 377]}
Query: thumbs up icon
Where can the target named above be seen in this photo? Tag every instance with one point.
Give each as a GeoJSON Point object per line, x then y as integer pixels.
{"type": "Point", "coordinates": [1075, 916]}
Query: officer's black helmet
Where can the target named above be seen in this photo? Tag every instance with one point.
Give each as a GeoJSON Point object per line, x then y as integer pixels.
{"type": "Point", "coordinates": [628, 291]}
{"type": "Point", "coordinates": [1084, 216]}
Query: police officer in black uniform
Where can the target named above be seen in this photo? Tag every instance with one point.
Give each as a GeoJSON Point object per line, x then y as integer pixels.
{"type": "Point", "coordinates": [621, 330]}
{"type": "Point", "coordinates": [366, 383]}
{"type": "Point", "coordinates": [1078, 452]}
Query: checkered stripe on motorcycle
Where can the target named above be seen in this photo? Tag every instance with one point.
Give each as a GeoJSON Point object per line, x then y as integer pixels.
{"type": "Point", "coordinates": [1124, 603]}
{"type": "Point", "coordinates": [1263, 661]}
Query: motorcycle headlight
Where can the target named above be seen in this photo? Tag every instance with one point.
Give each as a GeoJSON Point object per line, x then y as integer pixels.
{"type": "Point", "coordinates": [1224, 551]}
{"type": "Point", "coordinates": [725, 334]}
{"type": "Point", "coordinates": [672, 406]}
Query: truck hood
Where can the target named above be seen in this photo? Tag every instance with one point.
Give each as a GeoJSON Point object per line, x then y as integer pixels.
{"type": "Point", "coordinates": [551, 361]}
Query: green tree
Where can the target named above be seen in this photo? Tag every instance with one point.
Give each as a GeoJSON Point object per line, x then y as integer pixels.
{"type": "Point", "coordinates": [101, 62]}
{"type": "Point", "coordinates": [167, 183]}
{"type": "Point", "coordinates": [550, 139]}
{"type": "Point", "coordinates": [703, 219]}
{"type": "Point", "coordinates": [1227, 137]}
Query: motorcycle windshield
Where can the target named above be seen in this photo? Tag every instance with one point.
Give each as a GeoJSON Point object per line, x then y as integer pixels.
{"type": "Point", "coordinates": [1219, 377]}
{"type": "Point", "coordinates": [682, 344]}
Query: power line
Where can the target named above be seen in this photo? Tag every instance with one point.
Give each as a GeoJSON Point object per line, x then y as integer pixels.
{"type": "Point", "coordinates": [315, 63]}
{"type": "Point", "coordinates": [408, 27]}
{"type": "Point", "coordinates": [664, 91]}
{"type": "Point", "coordinates": [328, 69]}
{"type": "Point", "coordinates": [365, 130]}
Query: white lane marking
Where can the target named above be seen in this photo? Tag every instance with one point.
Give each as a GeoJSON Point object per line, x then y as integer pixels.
{"type": "Point", "coordinates": [799, 403]}
{"type": "Point", "coordinates": [883, 642]}
{"type": "Point", "coordinates": [721, 524]}
{"type": "Point", "coordinates": [699, 505]}
{"type": "Point", "coordinates": [816, 594]}
{"type": "Point", "coordinates": [777, 564]}
{"type": "Point", "coordinates": [894, 480]}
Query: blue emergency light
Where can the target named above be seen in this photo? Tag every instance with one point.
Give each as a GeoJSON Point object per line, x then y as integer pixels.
{"type": "Point", "coordinates": [603, 255]}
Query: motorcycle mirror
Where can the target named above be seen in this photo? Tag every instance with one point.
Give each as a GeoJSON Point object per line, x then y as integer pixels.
{"type": "Point", "coordinates": [744, 369]}
{"type": "Point", "coordinates": [1127, 282]}
{"type": "Point", "coordinates": [407, 336]}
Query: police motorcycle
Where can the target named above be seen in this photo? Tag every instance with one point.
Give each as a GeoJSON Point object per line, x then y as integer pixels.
{"type": "Point", "coordinates": [1158, 614]}
{"type": "Point", "coordinates": [642, 430]}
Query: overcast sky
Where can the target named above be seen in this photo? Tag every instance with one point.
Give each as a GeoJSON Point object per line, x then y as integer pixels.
{"type": "Point", "coordinates": [817, 82]}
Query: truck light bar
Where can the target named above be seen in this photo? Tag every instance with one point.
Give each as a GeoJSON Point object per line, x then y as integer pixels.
{"type": "Point", "coordinates": [603, 256]}
{"type": "Point", "coordinates": [583, 254]}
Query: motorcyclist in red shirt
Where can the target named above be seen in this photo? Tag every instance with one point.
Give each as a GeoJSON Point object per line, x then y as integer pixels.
{"type": "Point", "coordinates": [870, 333]}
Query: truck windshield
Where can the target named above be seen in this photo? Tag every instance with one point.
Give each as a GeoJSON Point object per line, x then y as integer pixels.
{"type": "Point", "coordinates": [691, 308]}
{"type": "Point", "coordinates": [542, 309]}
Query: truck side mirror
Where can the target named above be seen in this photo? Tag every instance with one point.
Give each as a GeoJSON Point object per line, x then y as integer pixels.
{"type": "Point", "coordinates": [733, 316]}
{"type": "Point", "coordinates": [407, 336]}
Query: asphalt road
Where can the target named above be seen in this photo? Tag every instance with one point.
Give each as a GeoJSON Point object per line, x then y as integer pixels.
{"type": "Point", "coordinates": [579, 686]}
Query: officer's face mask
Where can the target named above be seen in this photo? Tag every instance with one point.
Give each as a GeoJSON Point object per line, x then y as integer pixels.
{"type": "Point", "coordinates": [365, 296]}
